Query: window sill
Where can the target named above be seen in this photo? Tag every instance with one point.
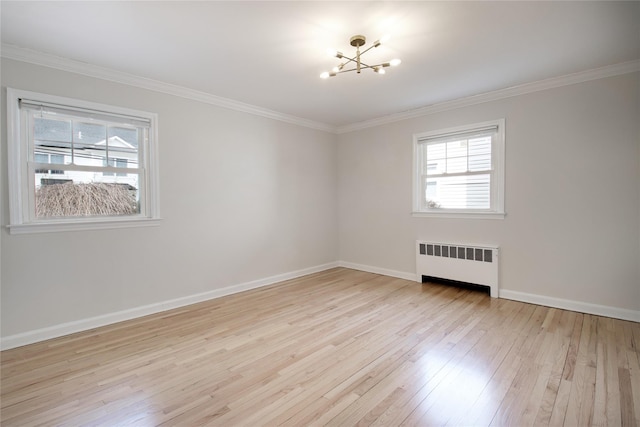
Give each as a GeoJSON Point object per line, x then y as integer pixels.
{"type": "Point", "coordinates": [81, 225]}
{"type": "Point", "coordinates": [459, 214]}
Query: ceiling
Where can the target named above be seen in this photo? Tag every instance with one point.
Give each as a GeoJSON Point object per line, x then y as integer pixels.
{"type": "Point", "coordinates": [270, 54]}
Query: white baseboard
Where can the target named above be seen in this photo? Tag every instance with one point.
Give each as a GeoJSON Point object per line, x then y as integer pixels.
{"type": "Point", "coordinates": [582, 307]}
{"type": "Point", "coordinates": [56, 331]}
{"type": "Point", "coordinates": [31, 337]}
{"type": "Point", "coordinates": [378, 270]}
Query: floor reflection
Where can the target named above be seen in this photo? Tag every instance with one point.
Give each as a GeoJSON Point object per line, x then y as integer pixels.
{"type": "Point", "coordinates": [452, 388]}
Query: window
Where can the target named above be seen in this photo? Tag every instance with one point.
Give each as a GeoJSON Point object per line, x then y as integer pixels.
{"type": "Point", "coordinates": [459, 172]}
{"type": "Point", "coordinates": [105, 158]}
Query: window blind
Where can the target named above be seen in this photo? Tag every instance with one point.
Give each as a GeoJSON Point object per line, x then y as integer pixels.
{"type": "Point", "coordinates": [67, 110]}
{"type": "Point", "coordinates": [454, 136]}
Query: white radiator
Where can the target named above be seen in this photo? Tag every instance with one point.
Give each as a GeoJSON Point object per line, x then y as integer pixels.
{"type": "Point", "coordinates": [463, 263]}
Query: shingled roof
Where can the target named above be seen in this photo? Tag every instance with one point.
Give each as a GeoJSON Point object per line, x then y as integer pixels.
{"type": "Point", "coordinates": [85, 199]}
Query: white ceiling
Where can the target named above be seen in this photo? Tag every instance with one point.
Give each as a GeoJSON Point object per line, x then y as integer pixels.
{"type": "Point", "coordinates": [270, 54]}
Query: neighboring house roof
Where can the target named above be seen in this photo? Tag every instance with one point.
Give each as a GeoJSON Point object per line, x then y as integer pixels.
{"type": "Point", "coordinates": [116, 141]}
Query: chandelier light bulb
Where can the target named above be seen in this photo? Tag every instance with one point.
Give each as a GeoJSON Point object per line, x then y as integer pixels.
{"type": "Point", "coordinates": [395, 62]}
{"type": "Point", "coordinates": [334, 53]}
{"type": "Point", "coordinates": [383, 40]}
{"type": "Point", "coordinates": [327, 74]}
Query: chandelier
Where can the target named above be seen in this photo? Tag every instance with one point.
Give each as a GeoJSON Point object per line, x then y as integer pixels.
{"type": "Point", "coordinates": [358, 41]}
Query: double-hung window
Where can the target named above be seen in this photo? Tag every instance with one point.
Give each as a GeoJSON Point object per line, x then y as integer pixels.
{"type": "Point", "coordinates": [459, 172]}
{"type": "Point", "coordinates": [79, 165]}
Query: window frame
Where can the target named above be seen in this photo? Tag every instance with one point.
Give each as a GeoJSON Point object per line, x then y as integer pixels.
{"type": "Point", "coordinates": [19, 150]}
{"type": "Point", "coordinates": [496, 210]}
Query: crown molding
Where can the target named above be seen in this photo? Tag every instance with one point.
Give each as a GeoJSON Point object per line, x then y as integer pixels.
{"type": "Point", "coordinates": [554, 82]}
{"type": "Point", "coordinates": [65, 64]}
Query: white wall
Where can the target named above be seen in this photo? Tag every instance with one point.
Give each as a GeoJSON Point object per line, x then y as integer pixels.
{"type": "Point", "coordinates": [246, 198]}
{"type": "Point", "coordinates": [242, 198]}
{"type": "Point", "coordinates": [572, 194]}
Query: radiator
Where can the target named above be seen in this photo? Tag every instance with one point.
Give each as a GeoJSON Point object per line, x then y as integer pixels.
{"type": "Point", "coordinates": [475, 264]}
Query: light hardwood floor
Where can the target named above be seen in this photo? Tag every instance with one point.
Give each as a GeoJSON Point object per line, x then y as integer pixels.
{"type": "Point", "coordinates": [337, 348]}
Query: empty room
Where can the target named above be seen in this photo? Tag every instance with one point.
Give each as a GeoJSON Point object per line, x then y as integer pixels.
{"type": "Point", "coordinates": [285, 213]}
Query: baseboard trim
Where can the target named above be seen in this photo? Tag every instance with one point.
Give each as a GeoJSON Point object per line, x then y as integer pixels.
{"type": "Point", "coordinates": [582, 307]}
{"type": "Point", "coordinates": [63, 329]}
{"type": "Point", "coordinates": [56, 331]}
{"type": "Point", "coordinates": [378, 270]}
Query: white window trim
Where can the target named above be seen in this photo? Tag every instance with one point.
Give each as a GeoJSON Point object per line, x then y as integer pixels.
{"type": "Point", "coordinates": [19, 221]}
{"type": "Point", "coordinates": [497, 191]}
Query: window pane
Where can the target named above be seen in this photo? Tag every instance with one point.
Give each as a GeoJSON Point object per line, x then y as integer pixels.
{"type": "Point", "coordinates": [457, 148]}
{"type": "Point", "coordinates": [458, 192]}
{"type": "Point", "coordinates": [56, 159]}
{"type": "Point", "coordinates": [51, 130]}
{"type": "Point", "coordinates": [122, 150]}
{"type": "Point", "coordinates": [480, 162]}
{"type": "Point", "coordinates": [436, 151]}
{"type": "Point", "coordinates": [129, 135]}
{"type": "Point", "coordinates": [431, 195]}
{"type": "Point", "coordinates": [436, 167]}
{"type": "Point", "coordinates": [480, 146]}
{"type": "Point", "coordinates": [436, 162]}
{"type": "Point", "coordinates": [41, 158]}
{"type": "Point", "coordinates": [88, 133]}
{"type": "Point", "coordinates": [48, 158]}
{"type": "Point", "coordinates": [51, 137]}
{"type": "Point", "coordinates": [456, 164]}
{"type": "Point", "coordinates": [81, 194]}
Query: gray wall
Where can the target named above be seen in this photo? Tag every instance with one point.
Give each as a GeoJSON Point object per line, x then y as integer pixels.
{"type": "Point", "coordinates": [245, 198]}
{"type": "Point", "coordinates": [572, 193]}
{"type": "Point", "coordinates": [242, 198]}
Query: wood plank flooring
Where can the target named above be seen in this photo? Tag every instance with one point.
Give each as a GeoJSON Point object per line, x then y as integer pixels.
{"type": "Point", "coordinates": [336, 348]}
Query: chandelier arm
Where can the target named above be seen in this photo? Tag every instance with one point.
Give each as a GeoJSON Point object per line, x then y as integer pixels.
{"type": "Point", "coordinates": [367, 49]}
{"type": "Point", "coordinates": [365, 66]}
{"type": "Point", "coordinates": [346, 71]}
{"type": "Point", "coordinates": [354, 60]}
{"type": "Point", "coordinates": [350, 59]}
